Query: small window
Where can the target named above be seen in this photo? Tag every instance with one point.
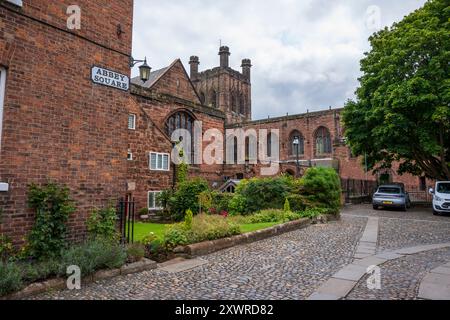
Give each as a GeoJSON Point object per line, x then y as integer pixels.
{"type": "Point", "coordinates": [2, 97]}
{"type": "Point", "coordinates": [159, 161]}
{"type": "Point", "coordinates": [132, 122]}
{"type": "Point", "coordinates": [153, 201]}
{"type": "Point", "coordinates": [129, 156]}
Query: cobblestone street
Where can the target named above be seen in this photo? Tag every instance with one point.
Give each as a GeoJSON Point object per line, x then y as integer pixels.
{"type": "Point", "coordinates": [294, 265]}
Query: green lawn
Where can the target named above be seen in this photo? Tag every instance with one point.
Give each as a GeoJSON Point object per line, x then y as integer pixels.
{"type": "Point", "coordinates": [143, 229]}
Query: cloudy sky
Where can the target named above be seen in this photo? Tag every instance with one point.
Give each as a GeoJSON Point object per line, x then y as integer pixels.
{"type": "Point", "coordinates": [305, 53]}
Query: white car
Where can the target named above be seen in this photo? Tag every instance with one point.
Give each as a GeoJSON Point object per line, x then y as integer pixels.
{"type": "Point", "coordinates": [441, 197]}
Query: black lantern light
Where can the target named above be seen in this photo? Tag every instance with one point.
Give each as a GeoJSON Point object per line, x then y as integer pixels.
{"type": "Point", "coordinates": [144, 69]}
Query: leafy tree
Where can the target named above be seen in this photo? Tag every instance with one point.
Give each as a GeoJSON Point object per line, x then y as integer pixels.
{"type": "Point", "coordinates": [402, 111]}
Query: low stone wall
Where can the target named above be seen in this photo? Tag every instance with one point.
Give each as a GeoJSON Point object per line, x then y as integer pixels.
{"type": "Point", "coordinates": [60, 283]}
{"type": "Point", "coordinates": [203, 248]}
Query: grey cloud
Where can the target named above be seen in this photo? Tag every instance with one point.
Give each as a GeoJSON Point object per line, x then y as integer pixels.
{"type": "Point", "coordinates": [305, 53]}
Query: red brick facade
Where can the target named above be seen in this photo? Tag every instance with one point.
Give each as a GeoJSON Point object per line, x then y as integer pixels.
{"type": "Point", "coordinates": [58, 125]}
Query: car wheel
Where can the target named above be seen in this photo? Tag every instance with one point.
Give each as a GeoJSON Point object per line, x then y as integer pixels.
{"type": "Point", "coordinates": [375, 207]}
{"type": "Point", "coordinates": [436, 213]}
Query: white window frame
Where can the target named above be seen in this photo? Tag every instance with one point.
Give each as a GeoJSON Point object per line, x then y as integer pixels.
{"type": "Point", "coordinates": [162, 161]}
{"type": "Point", "coordinates": [2, 99]}
{"type": "Point", "coordinates": [130, 155]}
{"type": "Point", "coordinates": [133, 127]}
{"type": "Point", "coordinates": [153, 206]}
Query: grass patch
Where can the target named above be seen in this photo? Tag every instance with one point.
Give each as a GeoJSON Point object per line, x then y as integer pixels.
{"type": "Point", "coordinates": [245, 228]}
{"type": "Point", "coordinates": [143, 229]}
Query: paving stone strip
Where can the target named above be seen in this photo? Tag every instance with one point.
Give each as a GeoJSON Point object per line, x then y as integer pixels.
{"type": "Point", "coordinates": [436, 284]}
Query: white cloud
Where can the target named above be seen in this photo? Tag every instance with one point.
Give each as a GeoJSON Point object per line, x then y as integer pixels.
{"type": "Point", "coordinates": [305, 53]}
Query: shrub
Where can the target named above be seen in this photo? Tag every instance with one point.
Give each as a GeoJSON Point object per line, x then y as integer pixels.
{"type": "Point", "coordinates": [287, 206]}
{"type": "Point", "coordinates": [204, 227]}
{"type": "Point", "coordinates": [261, 193]}
{"type": "Point", "coordinates": [314, 212]}
{"type": "Point", "coordinates": [102, 223]}
{"type": "Point", "coordinates": [186, 197]}
{"type": "Point", "coordinates": [175, 236]}
{"type": "Point", "coordinates": [205, 201]}
{"type": "Point", "coordinates": [135, 252]}
{"type": "Point", "coordinates": [6, 248]}
{"type": "Point", "coordinates": [53, 207]}
{"type": "Point", "coordinates": [94, 255]}
{"type": "Point", "coordinates": [41, 270]}
{"type": "Point", "coordinates": [10, 278]}
{"type": "Point", "coordinates": [143, 212]}
{"type": "Point", "coordinates": [266, 216]}
{"type": "Point", "coordinates": [323, 187]}
{"type": "Point", "coordinates": [188, 219]}
{"type": "Point", "coordinates": [221, 201]}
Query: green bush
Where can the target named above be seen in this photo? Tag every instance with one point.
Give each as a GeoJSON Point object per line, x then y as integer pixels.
{"type": "Point", "coordinates": [261, 193]}
{"type": "Point", "coordinates": [204, 227]}
{"type": "Point", "coordinates": [6, 248]}
{"type": "Point", "coordinates": [297, 202]}
{"type": "Point", "coordinates": [94, 255]}
{"type": "Point", "coordinates": [188, 219]}
{"type": "Point", "coordinates": [102, 223]}
{"type": "Point", "coordinates": [287, 206]}
{"type": "Point", "coordinates": [186, 197]}
{"type": "Point", "coordinates": [135, 252]}
{"type": "Point", "coordinates": [266, 216]}
{"type": "Point", "coordinates": [53, 207]}
{"type": "Point", "coordinates": [314, 212]}
{"type": "Point", "coordinates": [40, 270]}
{"type": "Point", "coordinates": [175, 236]}
{"type": "Point", "coordinates": [220, 202]}
{"type": "Point", "coordinates": [323, 187]}
{"type": "Point", "coordinates": [10, 278]}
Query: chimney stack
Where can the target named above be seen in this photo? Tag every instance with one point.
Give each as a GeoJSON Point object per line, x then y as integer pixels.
{"type": "Point", "coordinates": [194, 62]}
{"type": "Point", "coordinates": [246, 68]}
{"type": "Point", "coordinates": [224, 54]}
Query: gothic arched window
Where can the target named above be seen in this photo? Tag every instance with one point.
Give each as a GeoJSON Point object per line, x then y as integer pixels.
{"type": "Point", "coordinates": [202, 98]}
{"type": "Point", "coordinates": [241, 104]}
{"type": "Point", "coordinates": [181, 120]}
{"type": "Point", "coordinates": [323, 141]}
{"type": "Point", "coordinates": [213, 99]}
{"type": "Point", "coordinates": [293, 146]}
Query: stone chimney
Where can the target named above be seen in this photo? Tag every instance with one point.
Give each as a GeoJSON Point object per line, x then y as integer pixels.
{"type": "Point", "coordinates": [224, 54]}
{"type": "Point", "coordinates": [246, 68]}
{"type": "Point", "coordinates": [194, 62]}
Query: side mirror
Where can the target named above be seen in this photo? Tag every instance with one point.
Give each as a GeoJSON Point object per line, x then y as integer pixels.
{"type": "Point", "coordinates": [431, 191]}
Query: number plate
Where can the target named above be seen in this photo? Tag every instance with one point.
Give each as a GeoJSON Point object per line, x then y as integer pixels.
{"type": "Point", "coordinates": [387, 202]}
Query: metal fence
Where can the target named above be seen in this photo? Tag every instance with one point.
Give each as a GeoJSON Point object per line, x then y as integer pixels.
{"type": "Point", "coordinates": [358, 191]}
{"type": "Point", "coordinates": [361, 191]}
{"type": "Point", "coordinates": [126, 217]}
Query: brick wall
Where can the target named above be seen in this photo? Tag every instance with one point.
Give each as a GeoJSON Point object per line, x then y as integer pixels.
{"type": "Point", "coordinates": [58, 125]}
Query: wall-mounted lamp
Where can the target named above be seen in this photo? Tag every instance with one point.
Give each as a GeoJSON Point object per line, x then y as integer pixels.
{"type": "Point", "coordinates": [144, 69]}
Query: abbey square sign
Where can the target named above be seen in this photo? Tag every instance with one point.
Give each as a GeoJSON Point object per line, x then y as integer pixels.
{"type": "Point", "coordinates": [110, 78]}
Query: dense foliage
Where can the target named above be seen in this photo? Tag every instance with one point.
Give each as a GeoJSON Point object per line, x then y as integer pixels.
{"type": "Point", "coordinates": [53, 207]}
{"type": "Point", "coordinates": [322, 186]}
{"type": "Point", "coordinates": [186, 197]}
{"type": "Point", "coordinates": [261, 193]}
{"type": "Point", "coordinates": [102, 223]}
{"type": "Point", "coordinates": [402, 111]}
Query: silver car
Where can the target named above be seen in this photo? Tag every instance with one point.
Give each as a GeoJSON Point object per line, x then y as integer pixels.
{"type": "Point", "coordinates": [391, 196]}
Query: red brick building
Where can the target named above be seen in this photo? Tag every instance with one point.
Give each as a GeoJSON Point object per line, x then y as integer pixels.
{"type": "Point", "coordinates": [67, 114]}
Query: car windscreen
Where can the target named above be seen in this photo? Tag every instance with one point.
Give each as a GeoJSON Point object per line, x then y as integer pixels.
{"type": "Point", "coordinates": [389, 190]}
{"type": "Point", "coordinates": [443, 187]}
